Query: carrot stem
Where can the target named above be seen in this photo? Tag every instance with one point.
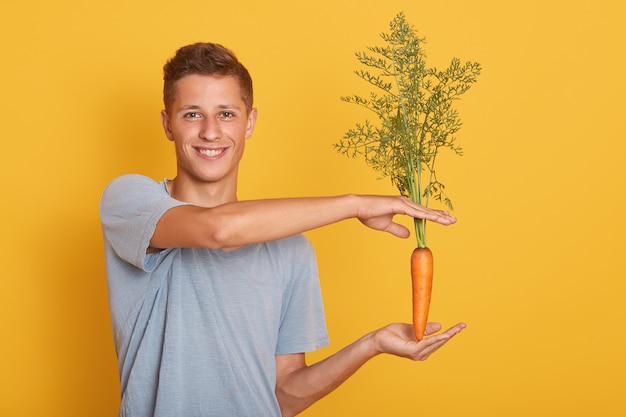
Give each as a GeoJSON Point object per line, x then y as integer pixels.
{"type": "Point", "coordinates": [420, 232]}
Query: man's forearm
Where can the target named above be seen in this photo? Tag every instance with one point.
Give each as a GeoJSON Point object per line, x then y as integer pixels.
{"type": "Point", "coordinates": [248, 222]}
{"type": "Point", "coordinates": [301, 388]}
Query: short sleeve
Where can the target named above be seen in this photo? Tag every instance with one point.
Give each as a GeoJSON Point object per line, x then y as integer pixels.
{"type": "Point", "coordinates": [303, 324]}
{"type": "Point", "coordinates": [130, 208]}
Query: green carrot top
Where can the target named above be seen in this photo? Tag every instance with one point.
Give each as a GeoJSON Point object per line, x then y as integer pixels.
{"type": "Point", "coordinates": [415, 115]}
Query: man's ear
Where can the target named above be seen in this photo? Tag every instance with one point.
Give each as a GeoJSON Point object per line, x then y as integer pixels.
{"type": "Point", "coordinates": [251, 122]}
{"type": "Point", "coordinates": [165, 121]}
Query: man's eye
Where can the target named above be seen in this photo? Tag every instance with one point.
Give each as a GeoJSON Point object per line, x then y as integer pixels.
{"type": "Point", "coordinates": [227, 114]}
{"type": "Point", "coordinates": [192, 115]}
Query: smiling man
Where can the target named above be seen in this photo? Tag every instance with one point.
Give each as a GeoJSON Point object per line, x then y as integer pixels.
{"type": "Point", "coordinates": [215, 301]}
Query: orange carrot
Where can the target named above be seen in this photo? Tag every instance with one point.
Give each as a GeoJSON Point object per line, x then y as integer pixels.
{"type": "Point", "coordinates": [422, 280]}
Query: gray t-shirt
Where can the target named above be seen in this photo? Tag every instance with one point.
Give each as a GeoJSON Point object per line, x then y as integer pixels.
{"type": "Point", "coordinates": [196, 330]}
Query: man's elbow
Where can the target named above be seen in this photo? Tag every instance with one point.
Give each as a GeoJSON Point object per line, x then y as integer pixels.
{"type": "Point", "coordinates": [291, 405]}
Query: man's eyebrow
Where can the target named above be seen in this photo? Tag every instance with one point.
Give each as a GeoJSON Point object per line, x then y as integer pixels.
{"type": "Point", "coordinates": [229, 106]}
{"type": "Point", "coordinates": [190, 107]}
{"type": "Point", "coordinates": [219, 106]}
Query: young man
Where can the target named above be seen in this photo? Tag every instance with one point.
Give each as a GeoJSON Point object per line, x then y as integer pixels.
{"type": "Point", "coordinates": [214, 301]}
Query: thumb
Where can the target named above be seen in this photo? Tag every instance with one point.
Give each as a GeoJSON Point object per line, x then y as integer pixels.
{"type": "Point", "coordinates": [398, 230]}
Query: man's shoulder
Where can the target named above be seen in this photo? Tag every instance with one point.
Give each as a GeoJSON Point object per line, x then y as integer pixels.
{"type": "Point", "coordinates": [132, 184]}
{"type": "Point", "coordinates": [130, 180]}
{"type": "Point", "coordinates": [133, 190]}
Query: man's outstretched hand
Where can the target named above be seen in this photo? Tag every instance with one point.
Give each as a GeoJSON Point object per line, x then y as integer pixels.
{"type": "Point", "coordinates": [399, 339]}
{"type": "Point", "coordinates": [377, 212]}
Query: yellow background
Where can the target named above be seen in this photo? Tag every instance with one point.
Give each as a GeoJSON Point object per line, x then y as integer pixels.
{"type": "Point", "coordinates": [535, 265]}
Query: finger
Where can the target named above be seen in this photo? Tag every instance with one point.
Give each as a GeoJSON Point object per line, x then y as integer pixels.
{"type": "Point", "coordinates": [432, 328]}
{"type": "Point", "coordinates": [456, 328]}
{"type": "Point", "coordinates": [435, 216]}
{"type": "Point", "coordinates": [434, 343]}
{"type": "Point", "coordinates": [432, 347]}
{"type": "Point", "coordinates": [431, 344]}
{"type": "Point", "coordinates": [398, 230]}
{"type": "Point", "coordinates": [444, 218]}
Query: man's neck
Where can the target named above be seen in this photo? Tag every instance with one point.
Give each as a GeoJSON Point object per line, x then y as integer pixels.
{"type": "Point", "coordinates": [204, 194]}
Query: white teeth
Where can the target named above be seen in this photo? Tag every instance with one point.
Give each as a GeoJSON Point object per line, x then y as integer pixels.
{"type": "Point", "coordinates": [211, 152]}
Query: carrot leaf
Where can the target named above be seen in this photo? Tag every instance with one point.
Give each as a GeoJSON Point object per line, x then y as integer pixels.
{"type": "Point", "coordinates": [414, 112]}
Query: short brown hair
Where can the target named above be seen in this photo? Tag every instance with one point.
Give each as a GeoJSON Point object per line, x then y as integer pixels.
{"type": "Point", "coordinates": [205, 59]}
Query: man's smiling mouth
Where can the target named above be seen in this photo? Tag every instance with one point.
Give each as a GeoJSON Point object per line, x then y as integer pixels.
{"type": "Point", "coordinates": [211, 152]}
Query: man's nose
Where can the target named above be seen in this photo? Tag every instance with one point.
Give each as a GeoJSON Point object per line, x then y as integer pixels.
{"type": "Point", "coordinates": [211, 130]}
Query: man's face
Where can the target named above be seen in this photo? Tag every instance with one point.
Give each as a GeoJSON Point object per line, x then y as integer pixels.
{"type": "Point", "coordinates": [209, 124]}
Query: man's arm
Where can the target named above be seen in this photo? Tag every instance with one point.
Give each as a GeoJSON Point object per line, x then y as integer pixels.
{"type": "Point", "coordinates": [298, 386]}
{"type": "Point", "coordinates": [247, 222]}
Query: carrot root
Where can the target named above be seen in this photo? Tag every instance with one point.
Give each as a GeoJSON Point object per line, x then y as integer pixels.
{"type": "Point", "coordinates": [422, 282]}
